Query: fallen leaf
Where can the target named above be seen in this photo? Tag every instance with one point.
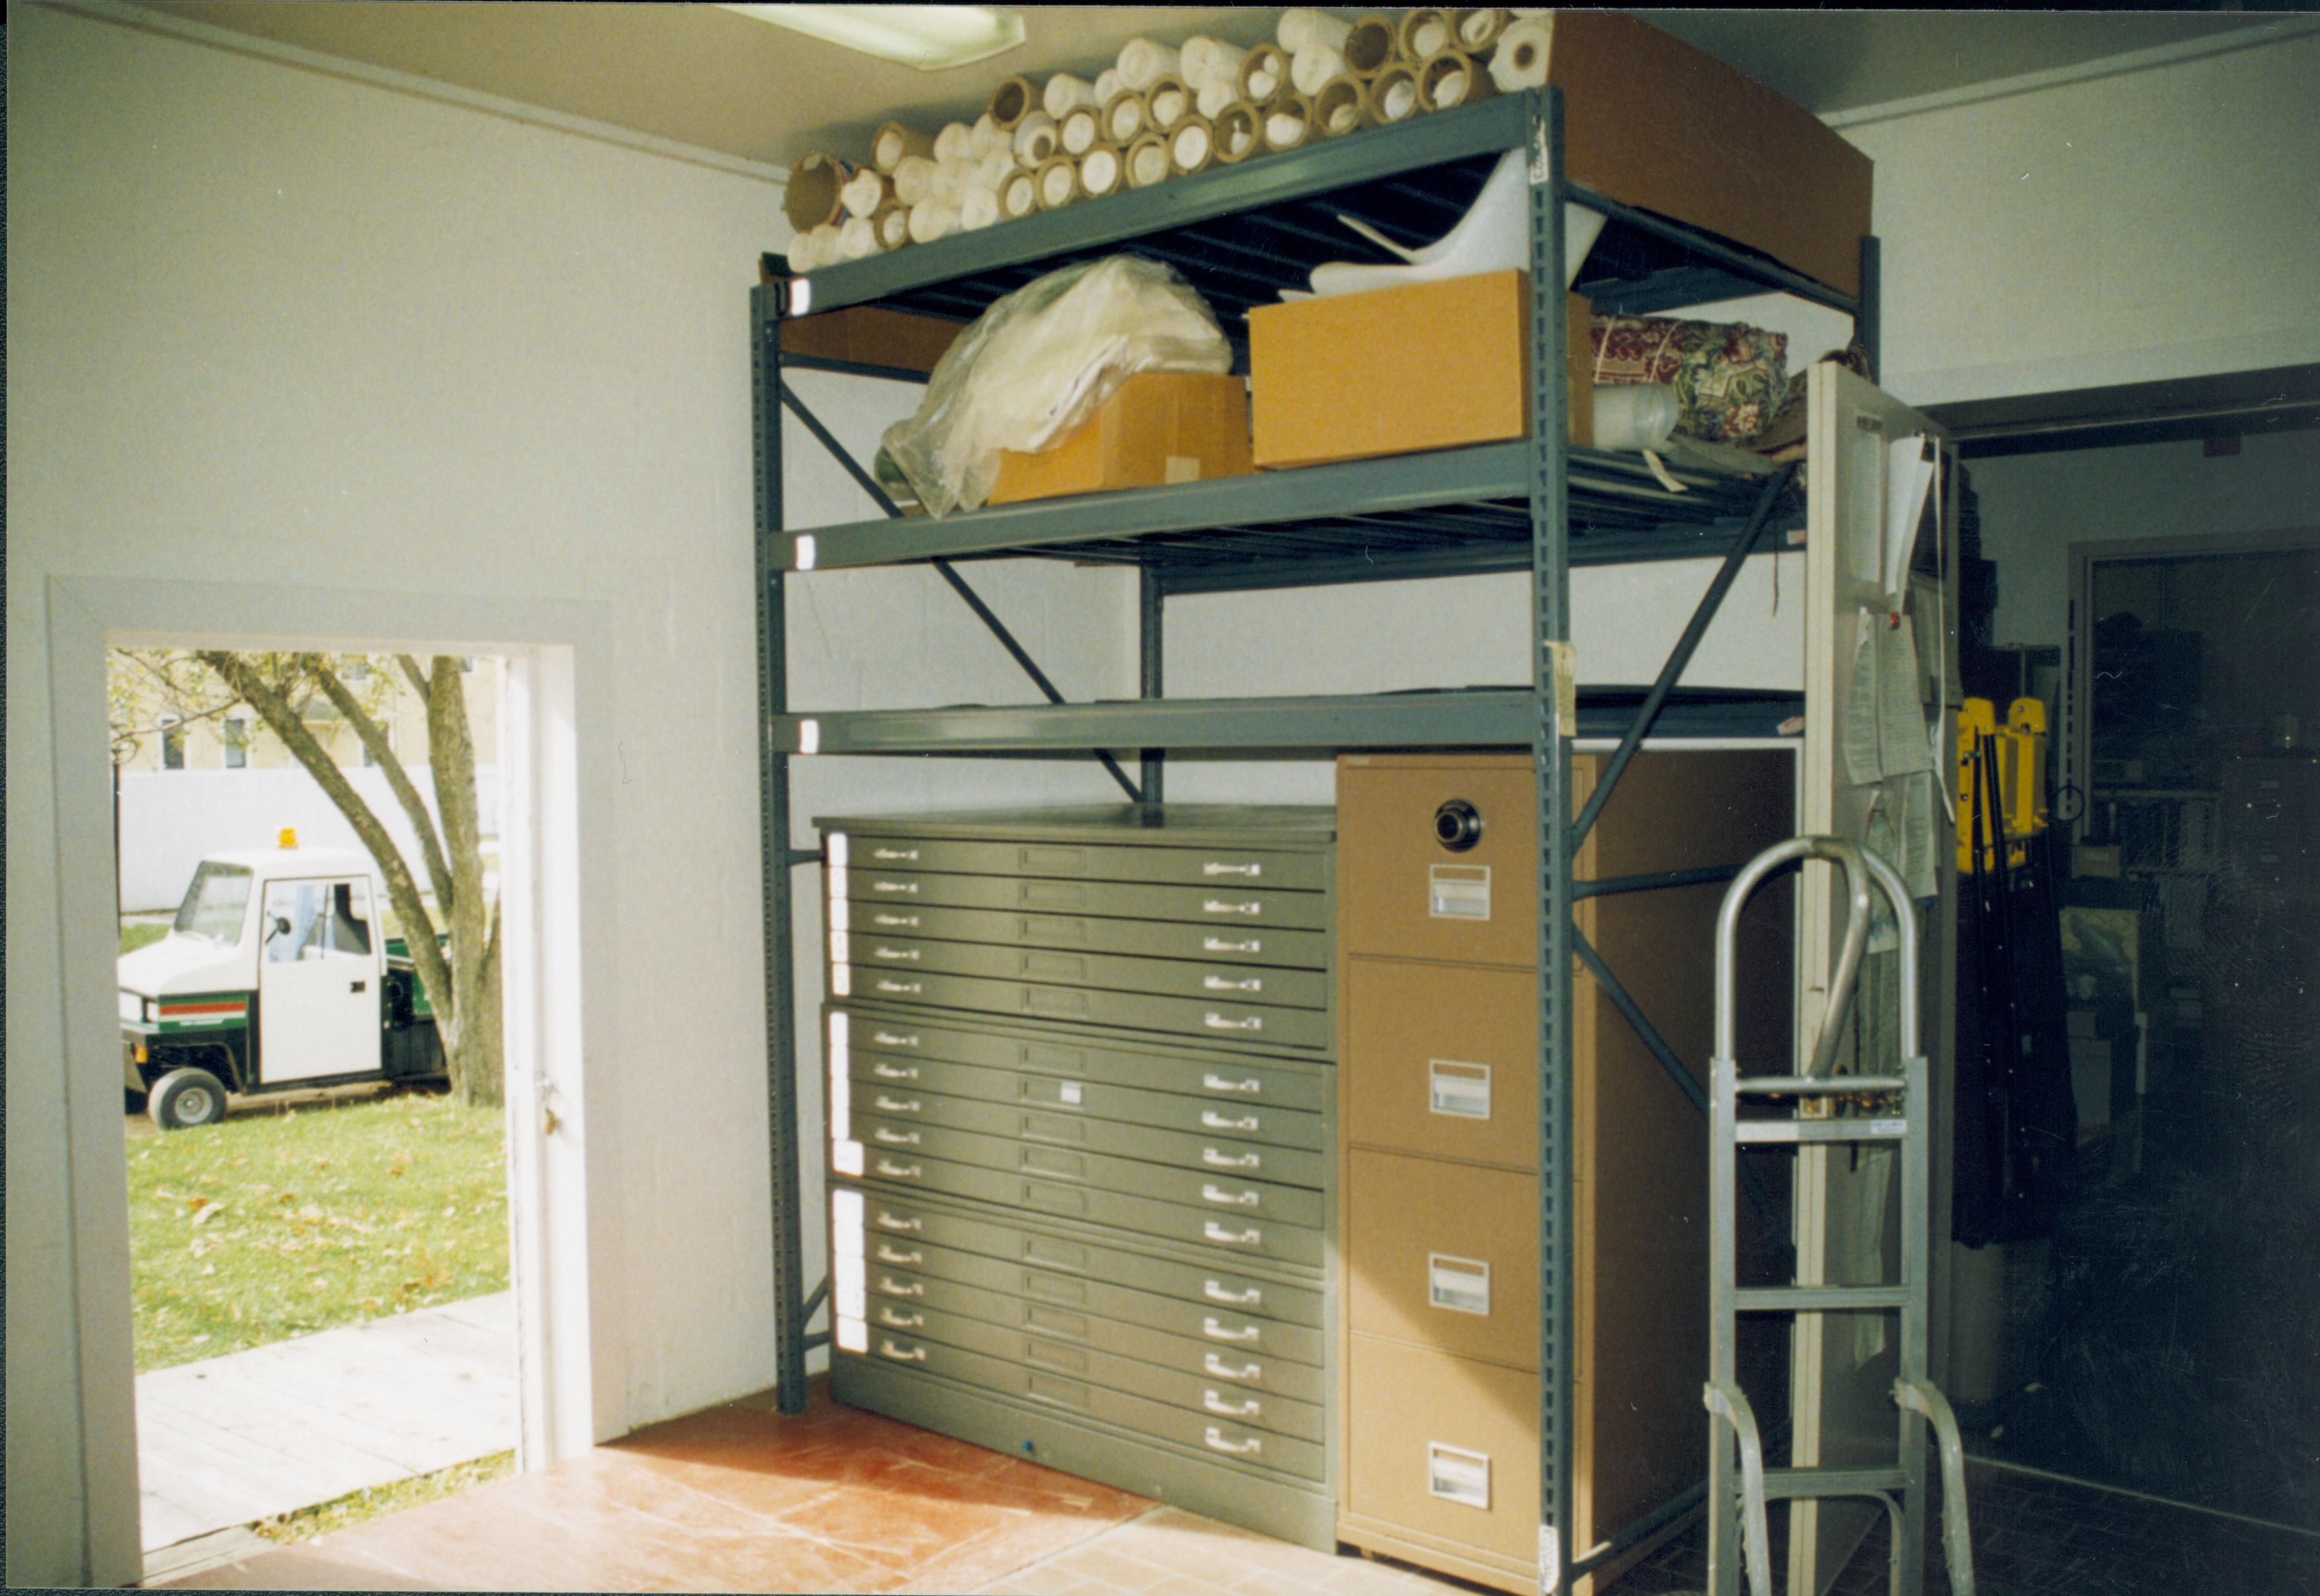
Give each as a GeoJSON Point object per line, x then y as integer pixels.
{"type": "Point", "coordinates": [209, 1212]}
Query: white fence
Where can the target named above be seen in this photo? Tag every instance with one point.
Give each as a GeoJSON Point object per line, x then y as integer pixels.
{"type": "Point", "coordinates": [169, 819]}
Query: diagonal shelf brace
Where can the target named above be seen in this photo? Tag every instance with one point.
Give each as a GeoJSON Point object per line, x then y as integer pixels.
{"type": "Point", "coordinates": [983, 611]}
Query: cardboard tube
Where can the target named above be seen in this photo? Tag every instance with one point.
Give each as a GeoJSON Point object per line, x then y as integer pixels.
{"type": "Point", "coordinates": [1018, 197]}
{"type": "Point", "coordinates": [825, 246]}
{"type": "Point", "coordinates": [1393, 94]}
{"type": "Point", "coordinates": [914, 179]}
{"type": "Point", "coordinates": [1238, 135]}
{"type": "Point", "coordinates": [1192, 146]}
{"type": "Point", "coordinates": [1370, 46]}
{"type": "Point", "coordinates": [893, 142]}
{"type": "Point", "coordinates": [800, 255]}
{"type": "Point", "coordinates": [991, 170]}
{"type": "Point", "coordinates": [1107, 84]}
{"type": "Point", "coordinates": [1301, 27]}
{"type": "Point", "coordinates": [1201, 60]}
{"type": "Point", "coordinates": [893, 225]}
{"type": "Point", "coordinates": [1035, 139]}
{"type": "Point", "coordinates": [1011, 101]}
{"type": "Point", "coordinates": [951, 182]}
{"type": "Point", "coordinates": [1059, 184]}
{"type": "Point", "coordinates": [1143, 63]}
{"type": "Point", "coordinates": [1478, 29]}
{"type": "Point", "coordinates": [1167, 101]}
{"type": "Point", "coordinates": [812, 198]}
{"type": "Point", "coordinates": [1308, 69]}
{"type": "Point", "coordinates": [984, 137]}
{"type": "Point", "coordinates": [1265, 75]}
{"type": "Point", "coordinates": [1100, 172]}
{"type": "Point", "coordinates": [1453, 78]}
{"type": "Point", "coordinates": [1211, 98]}
{"type": "Point", "coordinates": [1343, 106]}
{"type": "Point", "coordinates": [1125, 115]}
{"type": "Point", "coordinates": [1519, 61]}
{"type": "Point", "coordinates": [1080, 130]}
{"type": "Point", "coordinates": [1288, 121]}
{"type": "Point", "coordinates": [1147, 161]}
{"type": "Point", "coordinates": [864, 193]}
{"type": "Point", "coordinates": [857, 238]}
{"type": "Point", "coordinates": [956, 142]}
{"type": "Point", "coordinates": [1063, 92]}
{"type": "Point", "coordinates": [1425, 33]}
{"type": "Point", "coordinates": [934, 219]}
{"type": "Point", "coordinates": [978, 209]}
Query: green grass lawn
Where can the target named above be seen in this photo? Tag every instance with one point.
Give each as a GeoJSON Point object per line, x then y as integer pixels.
{"type": "Point", "coordinates": [139, 933]}
{"type": "Point", "coordinates": [272, 1225]}
{"type": "Point", "coordinates": [378, 1500]}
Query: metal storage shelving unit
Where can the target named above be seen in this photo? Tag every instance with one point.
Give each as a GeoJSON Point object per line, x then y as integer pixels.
{"type": "Point", "coordinates": [1239, 234]}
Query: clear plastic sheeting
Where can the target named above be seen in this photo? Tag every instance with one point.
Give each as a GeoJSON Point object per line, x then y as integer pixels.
{"type": "Point", "coordinates": [1038, 362]}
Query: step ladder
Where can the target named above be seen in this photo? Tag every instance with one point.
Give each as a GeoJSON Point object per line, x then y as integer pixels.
{"type": "Point", "coordinates": [1737, 1509]}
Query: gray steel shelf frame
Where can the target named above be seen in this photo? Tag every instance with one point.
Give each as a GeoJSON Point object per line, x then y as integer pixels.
{"type": "Point", "coordinates": [1540, 475]}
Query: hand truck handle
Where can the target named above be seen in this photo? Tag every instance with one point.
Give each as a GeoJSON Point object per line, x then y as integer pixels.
{"type": "Point", "coordinates": [1861, 867]}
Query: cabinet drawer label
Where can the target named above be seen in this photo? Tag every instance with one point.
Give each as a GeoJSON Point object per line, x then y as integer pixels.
{"type": "Point", "coordinates": [1461, 1091]}
{"type": "Point", "coordinates": [1456, 1474]}
{"type": "Point", "coordinates": [1462, 1285]}
{"type": "Point", "coordinates": [1458, 892]}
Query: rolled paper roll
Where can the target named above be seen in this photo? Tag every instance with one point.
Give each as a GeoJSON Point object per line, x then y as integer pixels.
{"type": "Point", "coordinates": [1125, 115]}
{"type": "Point", "coordinates": [1203, 60]}
{"type": "Point", "coordinates": [1479, 29]}
{"type": "Point", "coordinates": [1167, 103]}
{"type": "Point", "coordinates": [932, 221]}
{"type": "Point", "coordinates": [1393, 94]}
{"type": "Point", "coordinates": [1343, 106]}
{"type": "Point", "coordinates": [1107, 84]}
{"type": "Point", "coordinates": [1301, 27]}
{"type": "Point", "coordinates": [1147, 161]}
{"type": "Point", "coordinates": [978, 209]}
{"type": "Point", "coordinates": [1059, 183]}
{"type": "Point", "coordinates": [955, 143]}
{"type": "Point", "coordinates": [1453, 79]}
{"type": "Point", "coordinates": [1425, 33]}
{"type": "Point", "coordinates": [914, 179]}
{"type": "Point", "coordinates": [1310, 68]}
{"type": "Point", "coordinates": [1288, 121]}
{"type": "Point", "coordinates": [857, 238]}
{"type": "Point", "coordinates": [825, 245]}
{"type": "Point", "coordinates": [1237, 131]}
{"type": "Point", "coordinates": [893, 225]}
{"type": "Point", "coordinates": [1063, 92]}
{"type": "Point", "coordinates": [984, 136]}
{"type": "Point", "coordinates": [1211, 98]}
{"type": "Point", "coordinates": [801, 254]}
{"type": "Point", "coordinates": [1143, 63]}
{"type": "Point", "coordinates": [1100, 172]}
{"type": "Point", "coordinates": [991, 170]}
{"type": "Point", "coordinates": [1011, 101]}
{"type": "Point", "coordinates": [893, 142]}
{"type": "Point", "coordinates": [952, 180]}
{"type": "Point", "coordinates": [812, 197]}
{"type": "Point", "coordinates": [864, 193]}
{"type": "Point", "coordinates": [1265, 75]}
{"type": "Point", "coordinates": [1519, 61]}
{"type": "Point", "coordinates": [1080, 130]}
{"type": "Point", "coordinates": [1019, 194]}
{"type": "Point", "coordinates": [1192, 146]}
{"type": "Point", "coordinates": [1035, 139]}
{"type": "Point", "coordinates": [1372, 45]}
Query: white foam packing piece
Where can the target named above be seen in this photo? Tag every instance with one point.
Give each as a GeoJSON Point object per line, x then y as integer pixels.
{"type": "Point", "coordinates": [1063, 92]}
{"type": "Point", "coordinates": [914, 179]}
{"type": "Point", "coordinates": [932, 221]}
{"type": "Point", "coordinates": [1144, 62]}
{"type": "Point", "coordinates": [1301, 27]}
{"type": "Point", "coordinates": [1519, 61]}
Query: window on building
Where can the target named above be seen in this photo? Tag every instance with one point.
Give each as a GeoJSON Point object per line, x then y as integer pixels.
{"type": "Point", "coordinates": [173, 745]}
{"type": "Point", "coordinates": [236, 742]}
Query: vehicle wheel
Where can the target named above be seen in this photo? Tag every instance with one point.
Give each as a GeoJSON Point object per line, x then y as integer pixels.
{"type": "Point", "coordinates": [184, 1097]}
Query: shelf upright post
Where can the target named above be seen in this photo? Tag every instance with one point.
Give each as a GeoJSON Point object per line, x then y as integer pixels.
{"type": "Point", "coordinates": [1152, 598]}
{"type": "Point", "coordinates": [775, 860]}
{"type": "Point", "coordinates": [1550, 578]}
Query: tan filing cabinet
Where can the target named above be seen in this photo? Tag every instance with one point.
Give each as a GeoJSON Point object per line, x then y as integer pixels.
{"type": "Point", "coordinates": [1439, 1193]}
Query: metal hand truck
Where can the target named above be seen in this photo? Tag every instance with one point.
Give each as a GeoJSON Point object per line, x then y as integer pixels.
{"type": "Point", "coordinates": [1736, 1510]}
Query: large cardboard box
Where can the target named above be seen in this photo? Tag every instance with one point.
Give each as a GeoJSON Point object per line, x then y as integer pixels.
{"type": "Point", "coordinates": [872, 334]}
{"type": "Point", "coordinates": [1429, 366]}
{"type": "Point", "coordinates": [1159, 428]}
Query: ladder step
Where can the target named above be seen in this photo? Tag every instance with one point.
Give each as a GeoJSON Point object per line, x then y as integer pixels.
{"type": "Point", "coordinates": [1793, 1130]}
{"type": "Point", "coordinates": [1789, 1484]}
{"type": "Point", "coordinates": [1818, 1085]}
{"type": "Point", "coordinates": [1818, 1299]}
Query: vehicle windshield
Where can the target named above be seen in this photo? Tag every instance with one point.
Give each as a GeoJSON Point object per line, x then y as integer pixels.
{"type": "Point", "coordinates": [215, 903]}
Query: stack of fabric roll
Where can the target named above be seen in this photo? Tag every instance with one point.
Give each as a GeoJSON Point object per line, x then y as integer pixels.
{"type": "Point", "coordinates": [1159, 112]}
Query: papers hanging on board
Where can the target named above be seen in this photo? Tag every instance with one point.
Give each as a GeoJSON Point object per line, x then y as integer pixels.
{"type": "Point", "coordinates": [1908, 474]}
{"type": "Point", "coordinates": [1885, 730]}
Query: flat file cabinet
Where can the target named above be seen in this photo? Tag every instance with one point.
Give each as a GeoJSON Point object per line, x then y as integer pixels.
{"type": "Point", "coordinates": [1082, 1143]}
{"type": "Point", "coordinates": [1440, 1187]}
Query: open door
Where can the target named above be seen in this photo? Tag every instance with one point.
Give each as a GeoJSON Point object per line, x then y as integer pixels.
{"type": "Point", "coordinates": [1880, 671]}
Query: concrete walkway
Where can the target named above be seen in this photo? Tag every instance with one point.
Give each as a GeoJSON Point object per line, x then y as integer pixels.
{"type": "Point", "coordinates": [230, 1440]}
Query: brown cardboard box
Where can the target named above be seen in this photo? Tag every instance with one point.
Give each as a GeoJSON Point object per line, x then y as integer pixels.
{"type": "Point", "coordinates": [1161, 426]}
{"type": "Point", "coordinates": [1429, 366]}
{"type": "Point", "coordinates": [871, 335]}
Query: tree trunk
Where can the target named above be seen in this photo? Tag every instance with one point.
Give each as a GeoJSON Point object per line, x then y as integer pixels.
{"type": "Point", "coordinates": [373, 737]}
{"type": "Point", "coordinates": [477, 1062]}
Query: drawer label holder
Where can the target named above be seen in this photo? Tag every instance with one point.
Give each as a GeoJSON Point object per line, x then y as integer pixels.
{"type": "Point", "coordinates": [1462, 1285]}
{"type": "Point", "coordinates": [1458, 892]}
{"type": "Point", "coordinates": [1461, 1091]}
{"type": "Point", "coordinates": [1456, 1474]}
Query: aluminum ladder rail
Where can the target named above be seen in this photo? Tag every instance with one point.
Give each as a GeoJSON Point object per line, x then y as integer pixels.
{"type": "Point", "coordinates": [1737, 1509]}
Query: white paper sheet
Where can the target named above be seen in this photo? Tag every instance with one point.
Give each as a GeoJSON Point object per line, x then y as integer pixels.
{"type": "Point", "coordinates": [1863, 763]}
{"type": "Point", "coordinates": [1921, 836]}
{"type": "Point", "coordinates": [1903, 748]}
{"type": "Point", "coordinates": [1908, 473]}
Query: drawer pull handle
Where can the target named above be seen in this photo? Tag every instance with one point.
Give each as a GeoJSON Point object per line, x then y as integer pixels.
{"type": "Point", "coordinates": [900, 1171]}
{"type": "Point", "coordinates": [1217, 1292]}
{"type": "Point", "coordinates": [1215, 1402]}
{"type": "Point", "coordinates": [1211, 1120]}
{"type": "Point", "coordinates": [1214, 1231]}
{"type": "Point", "coordinates": [909, 955]}
{"type": "Point", "coordinates": [887, 1348]}
{"type": "Point", "coordinates": [904, 921]}
{"type": "Point", "coordinates": [1214, 1021]}
{"type": "Point", "coordinates": [1221, 1161]}
{"type": "Point", "coordinates": [895, 1138]}
{"type": "Point", "coordinates": [887, 1254]}
{"type": "Point", "coordinates": [1212, 1193]}
{"type": "Point", "coordinates": [896, 1105]}
{"type": "Point", "coordinates": [1250, 1448]}
{"type": "Point", "coordinates": [886, 1041]}
{"type": "Point", "coordinates": [887, 1221]}
{"type": "Point", "coordinates": [896, 1288]}
{"type": "Point", "coordinates": [1222, 1370]}
{"type": "Point", "coordinates": [1217, 906]}
{"type": "Point", "coordinates": [1220, 984]}
{"type": "Point", "coordinates": [1218, 1083]}
{"type": "Point", "coordinates": [906, 989]}
{"type": "Point", "coordinates": [907, 855]}
{"type": "Point", "coordinates": [1215, 1330]}
{"type": "Point", "coordinates": [887, 1316]}
{"type": "Point", "coordinates": [910, 886]}
{"type": "Point", "coordinates": [888, 1072]}
{"type": "Point", "coordinates": [1214, 867]}
{"type": "Point", "coordinates": [1218, 944]}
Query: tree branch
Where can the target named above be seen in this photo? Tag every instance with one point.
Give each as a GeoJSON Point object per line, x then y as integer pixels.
{"type": "Point", "coordinates": [419, 682]}
{"type": "Point", "coordinates": [373, 737]}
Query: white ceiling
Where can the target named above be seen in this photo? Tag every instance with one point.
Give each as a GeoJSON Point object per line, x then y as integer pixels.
{"type": "Point", "coordinates": [718, 81]}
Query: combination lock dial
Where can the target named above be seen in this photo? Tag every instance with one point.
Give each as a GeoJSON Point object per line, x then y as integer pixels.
{"type": "Point", "coordinates": [1457, 825]}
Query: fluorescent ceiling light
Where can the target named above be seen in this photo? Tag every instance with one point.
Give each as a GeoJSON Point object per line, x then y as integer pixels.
{"type": "Point", "coordinates": [928, 37]}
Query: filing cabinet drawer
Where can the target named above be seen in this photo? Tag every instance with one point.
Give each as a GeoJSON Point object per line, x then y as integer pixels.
{"type": "Point", "coordinates": [1087, 862]}
{"type": "Point", "coordinates": [1221, 1437]}
{"type": "Point", "coordinates": [1174, 978]}
{"type": "Point", "coordinates": [1190, 1017]}
{"type": "Point", "coordinates": [1447, 1447]}
{"type": "Point", "coordinates": [1442, 1060]}
{"type": "Point", "coordinates": [1445, 1255]}
{"type": "Point", "coordinates": [1072, 1130]}
{"type": "Point", "coordinates": [1133, 1324]}
{"type": "Point", "coordinates": [886, 1227]}
{"type": "Point", "coordinates": [1408, 895]}
{"type": "Point", "coordinates": [1089, 933]}
{"type": "Point", "coordinates": [1055, 1052]}
{"type": "Point", "coordinates": [1237, 906]}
